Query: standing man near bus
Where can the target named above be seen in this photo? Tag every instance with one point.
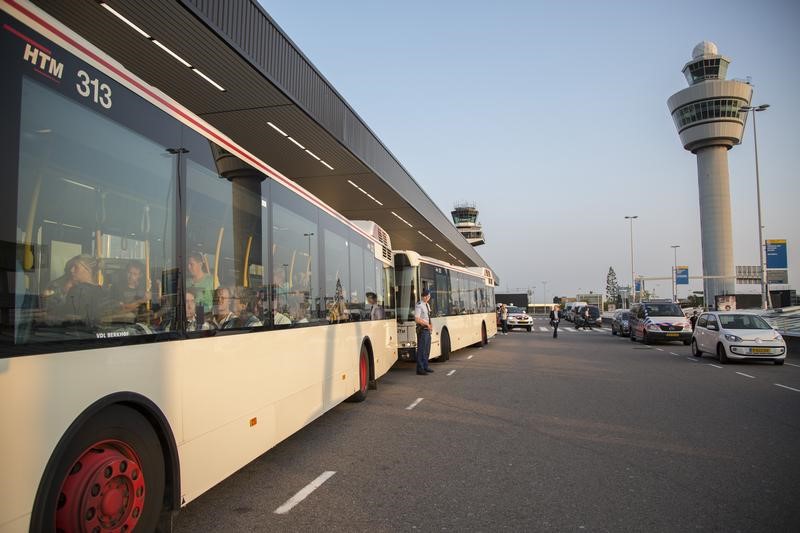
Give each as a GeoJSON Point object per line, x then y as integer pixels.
{"type": "Point", "coordinates": [422, 317]}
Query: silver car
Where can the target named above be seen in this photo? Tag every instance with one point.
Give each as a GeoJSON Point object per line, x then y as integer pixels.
{"type": "Point", "coordinates": [737, 335]}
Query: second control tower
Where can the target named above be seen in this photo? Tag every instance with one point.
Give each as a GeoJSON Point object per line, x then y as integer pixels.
{"type": "Point", "coordinates": [709, 124]}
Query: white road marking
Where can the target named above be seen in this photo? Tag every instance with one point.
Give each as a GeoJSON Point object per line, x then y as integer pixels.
{"type": "Point", "coordinates": [569, 329]}
{"type": "Point", "coordinates": [304, 493]}
{"type": "Point", "coordinates": [470, 357]}
{"type": "Point", "coordinates": [673, 353]}
{"type": "Point", "coordinates": [692, 359]}
{"type": "Point", "coordinates": [790, 364]}
{"type": "Point", "coordinates": [715, 366]}
{"type": "Point", "coordinates": [659, 349]}
{"type": "Point", "coordinates": [413, 405]}
{"type": "Point", "coordinates": [542, 328]}
{"type": "Point", "coordinates": [785, 387]}
{"type": "Point", "coordinates": [451, 372]}
{"type": "Point", "coordinates": [746, 375]}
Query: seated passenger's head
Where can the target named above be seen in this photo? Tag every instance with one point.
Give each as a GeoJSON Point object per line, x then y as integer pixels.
{"type": "Point", "coordinates": [191, 305]}
{"type": "Point", "coordinates": [82, 268]}
{"type": "Point", "coordinates": [222, 301]}
{"type": "Point", "coordinates": [135, 274]}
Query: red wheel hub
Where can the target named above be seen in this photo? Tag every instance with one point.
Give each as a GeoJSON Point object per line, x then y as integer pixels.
{"type": "Point", "coordinates": [104, 490]}
{"type": "Point", "coordinates": [363, 370]}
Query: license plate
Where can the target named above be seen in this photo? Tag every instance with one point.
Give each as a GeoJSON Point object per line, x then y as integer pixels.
{"type": "Point", "coordinates": [760, 350]}
{"type": "Point", "coordinates": [672, 334]}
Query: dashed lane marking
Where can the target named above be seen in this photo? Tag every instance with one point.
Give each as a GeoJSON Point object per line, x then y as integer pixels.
{"type": "Point", "coordinates": [746, 375]}
{"type": "Point", "coordinates": [692, 359]}
{"type": "Point", "coordinates": [470, 357]}
{"type": "Point", "coordinates": [715, 366]}
{"type": "Point", "coordinates": [414, 404]}
{"type": "Point", "coordinates": [673, 353]}
{"type": "Point", "coordinates": [659, 349]}
{"type": "Point", "coordinates": [304, 493]}
{"type": "Point", "coordinates": [785, 387]}
{"type": "Point", "coordinates": [451, 372]}
{"type": "Point", "coordinates": [796, 366]}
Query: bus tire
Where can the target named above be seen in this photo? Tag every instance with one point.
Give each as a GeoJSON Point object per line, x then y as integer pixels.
{"type": "Point", "coordinates": [484, 338]}
{"type": "Point", "coordinates": [445, 344]}
{"type": "Point", "coordinates": [110, 474]}
{"type": "Point", "coordinates": [363, 375]}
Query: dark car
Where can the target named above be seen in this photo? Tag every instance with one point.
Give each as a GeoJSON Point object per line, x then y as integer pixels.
{"type": "Point", "coordinates": [619, 323]}
{"type": "Point", "coordinates": [595, 317]}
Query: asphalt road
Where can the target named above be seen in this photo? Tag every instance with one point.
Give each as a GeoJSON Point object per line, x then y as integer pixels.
{"type": "Point", "coordinates": [588, 432]}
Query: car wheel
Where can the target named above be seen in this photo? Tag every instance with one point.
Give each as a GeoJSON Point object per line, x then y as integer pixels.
{"type": "Point", "coordinates": [778, 361]}
{"type": "Point", "coordinates": [695, 350]}
{"type": "Point", "coordinates": [644, 338]}
{"type": "Point", "coordinates": [613, 330]}
{"type": "Point", "coordinates": [632, 337]}
{"type": "Point", "coordinates": [687, 343]}
{"type": "Point", "coordinates": [529, 329]}
{"type": "Point", "coordinates": [721, 355]}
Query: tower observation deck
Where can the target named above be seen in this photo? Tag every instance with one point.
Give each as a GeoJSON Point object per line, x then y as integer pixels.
{"type": "Point", "coordinates": [709, 122]}
{"type": "Point", "coordinates": [465, 217]}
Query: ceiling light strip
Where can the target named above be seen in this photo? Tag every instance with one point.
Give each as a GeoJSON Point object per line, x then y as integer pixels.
{"type": "Point", "coordinates": [276, 128]}
{"type": "Point", "coordinates": [312, 154]}
{"type": "Point", "coordinates": [402, 219]}
{"type": "Point", "coordinates": [429, 239]}
{"type": "Point", "coordinates": [173, 54]}
{"type": "Point", "coordinates": [297, 143]}
{"type": "Point", "coordinates": [126, 21]}
{"type": "Point", "coordinates": [440, 247]}
{"type": "Point", "coordinates": [326, 164]}
{"type": "Point", "coordinates": [209, 80]}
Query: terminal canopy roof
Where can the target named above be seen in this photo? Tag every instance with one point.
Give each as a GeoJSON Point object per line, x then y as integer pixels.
{"type": "Point", "coordinates": [267, 80]}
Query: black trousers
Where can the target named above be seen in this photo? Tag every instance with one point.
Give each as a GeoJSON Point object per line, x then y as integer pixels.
{"type": "Point", "coordinates": [555, 328]}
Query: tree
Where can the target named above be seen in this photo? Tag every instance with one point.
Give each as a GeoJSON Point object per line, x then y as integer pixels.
{"type": "Point", "coordinates": [612, 287]}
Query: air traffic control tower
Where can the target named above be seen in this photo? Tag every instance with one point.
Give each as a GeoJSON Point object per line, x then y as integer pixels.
{"type": "Point", "coordinates": [709, 124]}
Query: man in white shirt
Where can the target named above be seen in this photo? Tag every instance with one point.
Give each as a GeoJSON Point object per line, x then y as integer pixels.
{"type": "Point", "coordinates": [555, 318]}
{"type": "Point", "coordinates": [422, 318]}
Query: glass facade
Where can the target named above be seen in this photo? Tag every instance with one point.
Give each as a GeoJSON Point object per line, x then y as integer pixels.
{"type": "Point", "coordinates": [706, 69]}
{"type": "Point", "coordinates": [713, 109]}
{"type": "Point", "coordinates": [120, 224]}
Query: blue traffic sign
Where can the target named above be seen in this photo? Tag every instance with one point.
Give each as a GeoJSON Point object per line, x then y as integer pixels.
{"type": "Point", "coordinates": [776, 254]}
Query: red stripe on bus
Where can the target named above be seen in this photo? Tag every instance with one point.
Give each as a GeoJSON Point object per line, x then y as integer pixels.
{"type": "Point", "coordinates": [263, 166]}
{"type": "Point", "coordinates": [27, 39]}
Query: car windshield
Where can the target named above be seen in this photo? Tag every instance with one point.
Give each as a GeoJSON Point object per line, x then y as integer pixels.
{"type": "Point", "coordinates": [743, 322]}
{"type": "Point", "coordinates": [594, 312]}
{"type": "Point", "coordinates": [663, 310]}
{"type": "Point", "coordinates": [624, 316]}
{"type": "Point", "coordinates": [512, 309]}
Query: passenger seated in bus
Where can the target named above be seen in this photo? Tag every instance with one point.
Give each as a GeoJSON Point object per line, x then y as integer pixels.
{"type": "Point", "coordinates": [57, 290]}
{"type": "Point", "coordinates": [200, 280]}
{"type": "Point", "coordinates": [193, 321]}
{"type": "Point", "coordinates": [243, 310]}
{"type": "Point", "coordinates": [130, 293]}
{"type": "Point", "coordinates": [299, 313]}
{"type": "Point", "coordinates": [221, 312]}
{"type": "Point", "coordinates": [84, 303]}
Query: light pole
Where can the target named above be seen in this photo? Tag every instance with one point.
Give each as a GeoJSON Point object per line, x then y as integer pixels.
{"type": "Point", "coordinates": [309, 235]}
{"type": "Point", "coordinates": [675, 273]}
{"type": "Point", "coordinates": [545, 291]}
{"type": "Point", "coordinates": [633, 282]}
{"type": "Point", "coordinates": [765, 303]}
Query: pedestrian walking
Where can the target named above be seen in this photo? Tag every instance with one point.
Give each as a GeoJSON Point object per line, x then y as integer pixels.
{"type": "Point", "coordinates": [422, 317]}
{"type": "Point", "coordinates": [555, 318]}
{"type": "Point", "coordinates": [504, 318]}
{"type": "Point", "coordinates": [693, 319]}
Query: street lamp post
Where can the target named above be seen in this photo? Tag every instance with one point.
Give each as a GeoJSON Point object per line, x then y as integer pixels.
{"type": "Point", "coordinates": [765, 304]}
{"type": "Point", "coordinates": [633, 282]}
{"type": "Point", "coordinates": [675, 273]}
{"type": "Point", "coordinates": [545, 291]}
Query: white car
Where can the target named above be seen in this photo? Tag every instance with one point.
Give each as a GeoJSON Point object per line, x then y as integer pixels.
{"type": "Point", "coordinates": [737, 335]}
{"type": "Point", "coordinates": [518, 318]}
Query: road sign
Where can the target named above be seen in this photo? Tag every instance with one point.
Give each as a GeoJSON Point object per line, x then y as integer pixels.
{"type": "Point", "coordinates": [776, 253]}
{"type": "Point", "coordinates": [778, 276]}
{"type": "Point", "coordinates": [682, 275]}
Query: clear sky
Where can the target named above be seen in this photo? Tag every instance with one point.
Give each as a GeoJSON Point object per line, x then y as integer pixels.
{"type": "Point", "coordinates": [552, 118]}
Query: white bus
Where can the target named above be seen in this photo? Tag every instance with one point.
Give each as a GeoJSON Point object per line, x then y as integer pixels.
{"type": "Point", "coordinates": [462, 304]}
{"type": "Point", "coordinates": [170, 306]}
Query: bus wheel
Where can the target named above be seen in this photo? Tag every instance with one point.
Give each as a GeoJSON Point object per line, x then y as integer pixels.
{"type": "Point", "coordinates": [484, 336]}
{"type": "Point", "coordinates": [445, 344]}
{"type": "Point", "coordinates": [363, 376]}
{"type": "Point", "coordinates": [110, 476]}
